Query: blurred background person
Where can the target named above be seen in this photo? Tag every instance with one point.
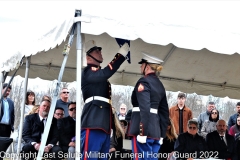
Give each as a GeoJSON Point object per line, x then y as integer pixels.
{"type": "Point", "coordinates": [210, 124]}
{"type": "Point", "coordinates": [235, 128]}
{"type": "Point", "coordinates": [169, 141]}
{"type": "Point", "coordinates": [122, 112]}
{"type": "Point", "coordinates": [30, 101]}
{"type": "Point", "coordinates": [190, 141]}
{"type": "Point", "coordinates": [204, 116]}
{"type": "Point", "coordinates": [59, 112]}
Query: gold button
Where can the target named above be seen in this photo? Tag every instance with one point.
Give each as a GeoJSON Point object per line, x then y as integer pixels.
{"type": "Point", "coordinates": [100, 106]}
{"type": "Point", "coordinates": [141, 134]}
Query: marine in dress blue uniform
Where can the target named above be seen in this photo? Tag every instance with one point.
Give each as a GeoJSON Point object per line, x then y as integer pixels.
{"type": "Point", "coordinates": [96, 119]}
{"type": "Point", "coordinates": [150, 112]}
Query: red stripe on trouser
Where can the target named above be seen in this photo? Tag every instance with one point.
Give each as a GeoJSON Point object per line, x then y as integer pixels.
{"type": "Point", "coordinates": [135, 148]}
{"type": "Point", "coordinates": [86, 144]}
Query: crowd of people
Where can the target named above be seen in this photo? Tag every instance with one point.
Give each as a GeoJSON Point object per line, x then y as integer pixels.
{"type": "Point", "coordinates": [155, 130]}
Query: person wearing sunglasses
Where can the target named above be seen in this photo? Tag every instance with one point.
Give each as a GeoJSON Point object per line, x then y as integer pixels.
{"type": "Point", "coordinates": [190, 143]}
{"type": "Point", "coordinates": [64, 101]}
{"type": "Point", "coordinates": [67, 128]}
{"type": "Point", "coordinates": [96, 90]}
{"type": "Point", "coordinates": [210, 124]}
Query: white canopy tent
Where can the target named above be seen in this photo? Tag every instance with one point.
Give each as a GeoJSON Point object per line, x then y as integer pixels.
{"type": "Point", "coordinates": [177, 32]}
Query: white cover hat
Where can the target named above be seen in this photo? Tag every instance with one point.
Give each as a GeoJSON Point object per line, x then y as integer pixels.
{"type": "Point", "coordinates": [150, 59]}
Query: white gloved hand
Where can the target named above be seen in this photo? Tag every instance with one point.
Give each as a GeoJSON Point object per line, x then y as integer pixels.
{"type": "Point", "coordinates": [124, 49]}
{"type": "Point", "coordinates": [161, 141]}
{"type": "Point", "coordinates": [142, 139]}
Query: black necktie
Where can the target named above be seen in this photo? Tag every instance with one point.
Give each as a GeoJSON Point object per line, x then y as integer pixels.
{"type": "Point", "coordinates": [222, 138]}
{"type": "Point", "coordinates": [42, 125]}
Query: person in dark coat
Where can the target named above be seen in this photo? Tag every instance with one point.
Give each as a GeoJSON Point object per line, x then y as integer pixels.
{"type": "Point", "coordinates": [7, 116]}
{"type": "Point", "coordinates": [190, 143]}
{"type": "Point", "coordinates": [33, 131]}
{"type": "Point", "coordinates": [96, 118]}
{"type": "Point", "coordinates": [67, 129]}
{"type": "Point", "coordinates": [167, 146]}
{"type": "Point", "coordinates": [150, 112]}
{"type": "Point", "coordinates": [221, 142]}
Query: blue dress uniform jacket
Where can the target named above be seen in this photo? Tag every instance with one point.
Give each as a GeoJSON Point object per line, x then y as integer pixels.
{"type": "Point", "coordinates": [149, 94]}
{"type": "Point", "coordinates": [97, 114]}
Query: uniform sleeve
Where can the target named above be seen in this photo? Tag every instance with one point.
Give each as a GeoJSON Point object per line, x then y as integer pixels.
{"type": "Point", "coordinates": [163, 113]}
{"type": "Point", "coordinates": [143, 97]}
{"type": "Point", "coordinates": [95, 75]}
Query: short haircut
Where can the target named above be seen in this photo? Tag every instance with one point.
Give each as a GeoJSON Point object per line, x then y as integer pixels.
{"type": "Point", "coordinates": [5, 85]}
{"type": "Point", "coordinates": [192, 121]}
{"type": "Point", "coordinates": [211, 103]}
{"type": "Point", "coordinates": [238, 104]}
{"type": "Point", "coordinates": [181, 95]}
{"type": "Point", "coordinates": [46, 97]}
{"type": "Point", "coordinates": [71, 103]}
{"type": "Point", "coordinates": [58, 108]}
{"type": "Point", "coordinates": [47, 100]}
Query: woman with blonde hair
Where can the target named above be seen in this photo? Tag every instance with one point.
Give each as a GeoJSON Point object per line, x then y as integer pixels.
{"type": "Point", "coordinates": [117, 136]}
{"type": "Point", "coordinates": [168, 141]}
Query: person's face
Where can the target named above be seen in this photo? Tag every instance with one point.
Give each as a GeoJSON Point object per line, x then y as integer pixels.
{"type": "Point", "coordinates": [97, 54]}
{"type": "Point", "coordinates": [214, 114]}
{"type": "Point", "coordinates": [7, 92]}
{"type": "Point", "coordinates": [44, 108]}
{"type": "Point", "coordinates": [31, 98]}
{"type": "Point", "coordinates": [181, 101]}
{"type": "Point", "coordinates": [238, 121]}
{"type": "Point", "coordinates": [72, 110]}
{"type": "Point", "coordinates": [192, 129]}
{"type": "Point", "coordinates": [59, 114]}
{"type": "Point", "coordinates": [122, 110]}
{"type": "Point", "coordinates": [64, 93]}
{"type": "Point", "coordinates": [221, 126]}
{"type": "Point", "coordinates": [238, 109]}
{"type": "Point", "coordinates": [210, 107]}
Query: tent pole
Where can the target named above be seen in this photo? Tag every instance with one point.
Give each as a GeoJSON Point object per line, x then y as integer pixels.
{"type": "Point", "coordinates": [28, 61]}
{"type": "Point", "coordinates": [1, 84]}
{"type": "Point", "coordinates": [78, 94]}
{"type": "Point", "coordinates": [53, 104]}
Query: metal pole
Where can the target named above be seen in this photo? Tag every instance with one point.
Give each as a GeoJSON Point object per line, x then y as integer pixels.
{"type": "Point", "coordinates": [28, 61]}
{"type": "Point", "coordinates": [78, 94]}
{"type": "Point", "coordinates": [53, 104]}
{"type": "Point", "coordinates": [1, 82]}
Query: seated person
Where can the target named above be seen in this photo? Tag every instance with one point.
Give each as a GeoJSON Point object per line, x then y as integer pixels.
{"type": "Point", "coordinates": [67, 128]}
{"type": "Point", "coordinates": [220, 141]}
{"type": "Point", "coordinates": [168, 142]}
{"type": "Point", "coordinates": [190, 142]}
{"type": "Point", "coordinates": [33, 131]}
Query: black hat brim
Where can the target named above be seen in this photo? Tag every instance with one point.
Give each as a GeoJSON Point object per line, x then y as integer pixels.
{"type": "Point", "coordinates": [94, 48]}
{"type": "Point", "coordinates": [142, 61]}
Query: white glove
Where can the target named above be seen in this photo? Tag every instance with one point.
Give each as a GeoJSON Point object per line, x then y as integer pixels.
{"type": "Point", "coordinates": [142, 139]}
{"type": "Point", "coordinates": [161, 141]}
{"type": "Point", "coordinates": [124, 49]}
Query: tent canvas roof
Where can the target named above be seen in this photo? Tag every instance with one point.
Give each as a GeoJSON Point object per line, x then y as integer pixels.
{"type": "Point", "coordinates": [188, 66]}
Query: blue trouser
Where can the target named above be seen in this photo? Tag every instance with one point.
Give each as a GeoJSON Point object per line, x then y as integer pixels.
{"type": "Point", "coordinates": [145, 151]}
{"type": "Point", "coordinates": [95, 144]}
